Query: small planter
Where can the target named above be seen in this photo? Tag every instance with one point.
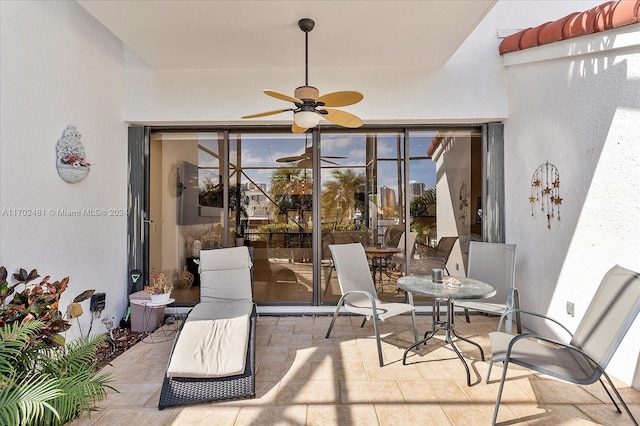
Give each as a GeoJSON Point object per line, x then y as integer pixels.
{"type": "Point", "coordinates": [160, 298]}
{"type": "Point", "coordinates": [71, 174]}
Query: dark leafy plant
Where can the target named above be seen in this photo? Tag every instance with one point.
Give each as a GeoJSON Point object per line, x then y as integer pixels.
{"type": "Point", "coordinates": [43, 380]}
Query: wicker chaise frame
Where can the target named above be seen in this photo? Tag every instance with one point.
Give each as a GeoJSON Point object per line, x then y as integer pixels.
{"type": "Point", "coordinates": [183, 391]}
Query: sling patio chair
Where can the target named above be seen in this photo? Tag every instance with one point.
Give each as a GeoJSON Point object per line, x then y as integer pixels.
{"type": "Point", "coordinates": [359, 295]}
{"type": "Point", "coordinates": [493, 263]}
{"type": "Point", "coordinates": [583, 360]}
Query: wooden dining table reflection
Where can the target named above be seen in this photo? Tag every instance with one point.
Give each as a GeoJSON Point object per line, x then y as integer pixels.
{"type": "Point", "coordinates": [380, 257]}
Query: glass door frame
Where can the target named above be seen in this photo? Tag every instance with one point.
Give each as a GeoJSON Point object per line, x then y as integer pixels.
{"type": "Point", "coordinates": [138, 188]}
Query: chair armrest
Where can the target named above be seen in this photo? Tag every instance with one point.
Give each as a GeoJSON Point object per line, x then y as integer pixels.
{"type": "Point", "coordinates": [535, 314]}
{"type": "Point", "coordinates": [366, 293]}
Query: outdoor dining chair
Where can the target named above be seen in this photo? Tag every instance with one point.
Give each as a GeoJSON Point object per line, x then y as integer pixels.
{"type": "Point", "coordinates": [359, 294]}
{"type": "Point", "coordinates": [493, 263]}
{"type": "Point", "coordinates": [439, 256]}
{"type": "Point", "coordinates": [583, 360]}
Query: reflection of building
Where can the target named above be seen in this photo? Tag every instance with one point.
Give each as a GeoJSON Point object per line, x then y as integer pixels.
{"type": "Point", "coordinates": [386, 197]}
{"type": "Point", "coordinates": [415, 189]}
{"type": "Point", "coordinates": [258, 204]}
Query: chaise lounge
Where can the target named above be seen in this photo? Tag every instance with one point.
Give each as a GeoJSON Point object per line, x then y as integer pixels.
{"type": "Point", "coordinates": [213, 356]}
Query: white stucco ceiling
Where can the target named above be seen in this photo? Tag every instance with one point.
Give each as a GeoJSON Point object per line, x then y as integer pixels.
{"type": "Point", "coordinates": [265, 34]}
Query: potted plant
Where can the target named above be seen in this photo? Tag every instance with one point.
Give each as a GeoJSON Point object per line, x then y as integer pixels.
{"type": "Point", "coordinates": [159, 287]}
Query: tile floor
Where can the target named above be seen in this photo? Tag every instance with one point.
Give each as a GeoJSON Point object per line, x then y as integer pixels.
{"type": "Point", "coordinates": [304, 379]}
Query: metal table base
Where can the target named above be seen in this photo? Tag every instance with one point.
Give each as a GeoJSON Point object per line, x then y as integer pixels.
{"type": "Point", "coordinates": [449, 329]}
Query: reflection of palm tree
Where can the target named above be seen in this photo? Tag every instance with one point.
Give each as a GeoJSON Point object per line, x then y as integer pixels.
{"type": "Point", "coordinates": [424, 204]}
{"type": "Point", "coordinates": [339, 196]}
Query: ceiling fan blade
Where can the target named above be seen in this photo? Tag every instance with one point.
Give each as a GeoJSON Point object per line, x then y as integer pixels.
{"type": "Point", "coordinates": [290, 159]}
{"type": "Point", "coordinates": [334, 156]}
{"type": "Point", "coordinates": [330, 162]}
{"type": "Point", "coordinates": [297, 129]}
{"type": "Point", "coordinates": [340, 99]}
{"type": "Point", "coordinates": [262, 114]}
{"type": "Point", "coordinates": [342, 118]}
{"type": "Point", "coordinates": [282, 96]}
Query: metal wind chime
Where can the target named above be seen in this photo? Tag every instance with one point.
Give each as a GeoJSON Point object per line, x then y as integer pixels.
{"type": "Point", "coordinates": [545, 189]}
{"type": "Point", "coordinates": [463, 203]}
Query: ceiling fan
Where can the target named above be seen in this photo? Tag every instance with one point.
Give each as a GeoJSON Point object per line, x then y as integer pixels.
{"type": "Point", "coordinates": [309, 105]}
{"type": "Point", "coordinates": [304, 159]}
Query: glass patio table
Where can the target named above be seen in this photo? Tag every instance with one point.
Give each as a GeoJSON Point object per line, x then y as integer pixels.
{"type": "Point", "coordinates": [445, 293]}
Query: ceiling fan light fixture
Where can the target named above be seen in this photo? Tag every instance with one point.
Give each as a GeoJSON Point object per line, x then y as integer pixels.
{"type": "Point", "coordinates": [306, 119]}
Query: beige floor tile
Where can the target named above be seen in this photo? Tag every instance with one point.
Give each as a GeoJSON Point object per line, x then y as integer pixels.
{"type": "Point", "coordinates": [474, 414]}
{"type": "Point", "coordinates": [304, 378]}
{"type": "Point", "coordinates": [130, 395]}
{"type": "Point", "coordinates": [293, 341]}
{"type": "Point", "coordinates": [205, 415]}
{"type": "Point", "coordinates": [553, 414]}
{"type": "Point", "coordinates": [136, 416]}
{"type": "Point", "coordinates": [264, 320]}
{"type": "Point", "coordinates": [276, 371]}
{"type": "Point", "coordinates": [411, 414]}
{"type": "Point", "coordinates": [272, 353]}
{"type": "Point", "coordinates": [607, 414]}
{"type": "Point", "coordinates": [331, 414]}
{"type": "Point", "coordinates": [311, 354]}
{"type": "Point", "coordinates": [308, 392]}
{"type": "Point", "coordinates": [550, 391]}
{"type": "Point", "coordinates": [272, 329]}
{"type": "Point", "coordinates": [391, 371]}
{"type": "Point", "coordinates": [337, 369]}
{"type": "Point", "coordinates": [274, 415]}
{"type": "Point", "coordinates": [370, 391]}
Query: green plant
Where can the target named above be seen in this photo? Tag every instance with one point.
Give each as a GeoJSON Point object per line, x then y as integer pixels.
{"type": "Point", "coordinates": [44, 380]}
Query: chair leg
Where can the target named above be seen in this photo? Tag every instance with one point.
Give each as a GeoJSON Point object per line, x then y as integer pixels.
{"type": "Point", "coordinates": [499, 397]}
{"type": "Point", "coordinates": [466, 315]}
{"type": "Point", "coordinates": [624, 404]}
{"type": "Point", "coordinates": [364, 321]}
{"type": "Point", "coordinates": [335, 315]}
{"type": "Point", "coordinates": [377, 331]}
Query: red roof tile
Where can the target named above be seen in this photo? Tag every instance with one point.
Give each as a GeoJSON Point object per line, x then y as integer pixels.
{"type": "Point", "coordinates": [607, 16]}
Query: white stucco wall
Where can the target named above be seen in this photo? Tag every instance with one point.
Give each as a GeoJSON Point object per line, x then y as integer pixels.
{"type": "Point", "coordinates": [60, 67]}
{"type": "Point", "coordinates": [580, 113]}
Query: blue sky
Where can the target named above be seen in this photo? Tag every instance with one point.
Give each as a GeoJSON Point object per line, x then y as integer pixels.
{"type": "Point", "coordinates": [261, 151]}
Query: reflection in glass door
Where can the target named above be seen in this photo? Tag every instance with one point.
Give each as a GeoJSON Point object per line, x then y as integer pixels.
{"type": "Point", "coordinates": [275, 174]}
{"type": "Point", "coordinates": [401, 189]}
{"type": "Point", "coordinates": [362, 201]}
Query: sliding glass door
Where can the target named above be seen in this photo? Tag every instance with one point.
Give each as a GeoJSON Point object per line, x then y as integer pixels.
{"type": "Point", "coordinates": [266, 189]}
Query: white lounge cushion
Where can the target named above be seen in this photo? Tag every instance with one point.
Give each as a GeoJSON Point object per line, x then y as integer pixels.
{"type": "Point", "coordinates": [211, 348]}
{"type": "Point", "coordinates": [225, 274]}
{"type": "Point", "coordinates": [212, 310]}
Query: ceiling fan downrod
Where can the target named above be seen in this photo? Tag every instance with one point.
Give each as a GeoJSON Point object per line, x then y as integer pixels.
{"type": "Point", "coordinates": [306, 25]}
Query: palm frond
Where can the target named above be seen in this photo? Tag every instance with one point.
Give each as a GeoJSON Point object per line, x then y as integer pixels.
{"type": "Point", "coordinates": [14, 340]}
{"type": "Point", "coordinates": [25, 402]}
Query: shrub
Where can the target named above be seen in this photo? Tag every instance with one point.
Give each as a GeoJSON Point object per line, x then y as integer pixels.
{"type": "Point", "coordinates": [43, 379]}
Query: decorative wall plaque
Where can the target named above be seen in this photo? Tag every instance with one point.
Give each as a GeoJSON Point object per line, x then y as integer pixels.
{"type": "Point", "coordinates": [71, 161]}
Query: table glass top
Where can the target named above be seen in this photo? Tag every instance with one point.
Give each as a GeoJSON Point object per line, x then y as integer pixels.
{"type": "Point", "coordinates": [450, 288]}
